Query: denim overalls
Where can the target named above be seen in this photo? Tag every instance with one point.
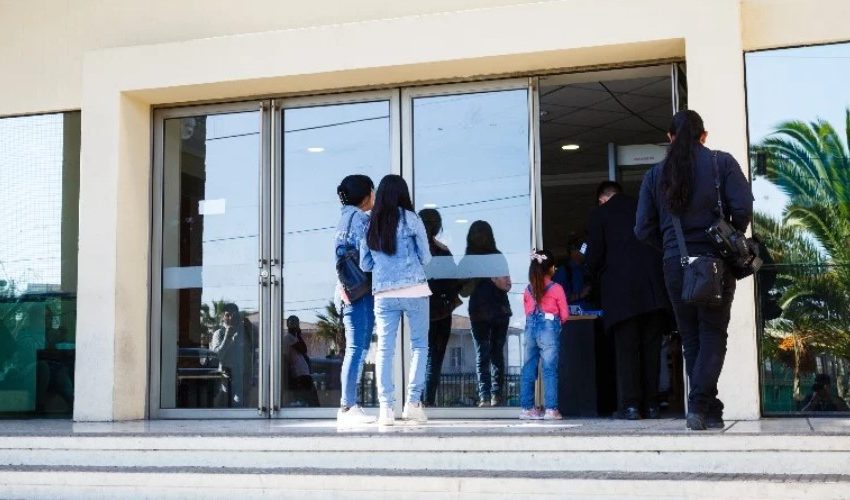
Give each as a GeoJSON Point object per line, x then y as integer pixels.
{"type": "Point", "coordinates": [542, 339]}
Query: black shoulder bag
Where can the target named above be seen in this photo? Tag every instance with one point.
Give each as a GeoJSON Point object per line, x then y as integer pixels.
{"type": "Point", "coordinates": [354, 280]}
{"type": "Point", "coordinates": [702, 276]}
{"type": "Point", "coordinates": [740, 252]}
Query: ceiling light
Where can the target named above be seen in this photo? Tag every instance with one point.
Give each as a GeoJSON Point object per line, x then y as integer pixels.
{"type": "Point", "coordinates": [461, 221]}
{"type": "Point", "coordinates": [315, 149]}
{"type": "Point", "coordinates": [570, 147]}
{"type": "Point", "coordinates": [429, 205]}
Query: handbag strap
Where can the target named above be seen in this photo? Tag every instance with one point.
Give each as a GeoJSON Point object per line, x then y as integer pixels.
{"type": "Point", "coordinates": [717, 184]}
{"type": "Point", "coordinates": [680, 240]}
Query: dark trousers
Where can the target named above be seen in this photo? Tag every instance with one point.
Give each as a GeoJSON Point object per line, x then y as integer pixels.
{"type": "Point", "coordinates": [704, 332]}
{"type": "Point", "coordinates": [439, 332]}
{"type": "Point", "coordinates": [637, 342]}
{"type": "Point", "coordinates": [489, 338]}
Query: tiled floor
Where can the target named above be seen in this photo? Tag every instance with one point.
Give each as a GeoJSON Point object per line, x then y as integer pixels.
{"type": "Point", "coordinates": [775, 426]}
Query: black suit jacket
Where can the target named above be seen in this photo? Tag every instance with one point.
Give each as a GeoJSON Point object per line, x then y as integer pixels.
{"type": "Point", "coordinates": [629, 272]}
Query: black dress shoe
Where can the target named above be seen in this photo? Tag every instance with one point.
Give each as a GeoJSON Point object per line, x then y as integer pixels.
{"type": "Point", "coordinates": [630, 413]}
{"type": "Point", "coordinates": [714, 422]}
{"type": "Point", "coordinates": [695, 421]}
{"type": "Point", "coordinates": [653, 412]}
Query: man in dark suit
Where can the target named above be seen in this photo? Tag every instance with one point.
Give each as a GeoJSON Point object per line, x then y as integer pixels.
{"type": "Point", "coordinates": [634, 299]}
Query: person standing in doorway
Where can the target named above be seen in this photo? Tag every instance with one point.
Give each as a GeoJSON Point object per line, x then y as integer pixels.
{"type": "Point", "coordinates": [441, 272]}
{"type": "Point", "coordinates": [357, 195]}
{"type": "Point", "coordinates": [634, 299]}
{"type": "Point", "coordinates": [683, 186]}
{"type": "Point", "coordinates": [489, 308]}
{"type": "Point", "coordinates": [396, 252]}
{"type": "Point", "coordinates": [546, 310]}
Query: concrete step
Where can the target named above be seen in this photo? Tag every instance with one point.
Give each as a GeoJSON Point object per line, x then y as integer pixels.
{"type": "Point", "coordinates": [333, 484]}
{"type": "Point", "coordinates": [694, 453]}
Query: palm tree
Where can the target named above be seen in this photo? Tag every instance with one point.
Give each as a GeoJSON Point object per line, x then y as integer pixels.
{"type": "Point", "coordinates": [331, 328]}
{"type": "Point", "coordinates": [810, 244]}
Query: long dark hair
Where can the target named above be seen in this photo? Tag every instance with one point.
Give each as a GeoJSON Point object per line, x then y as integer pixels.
{"type": "Point", "coordinates": [433, 222]}
{"type": "Point", "coordinates": [677, 175]}
{"type": "Point", "coordinates": [392, 194]}
{"type": "Point", "coordinates": [354, 189]}
{"type": "Point", "coordinates": [480, 239]}
{"type": "Point", "coordinates": [537, 272]}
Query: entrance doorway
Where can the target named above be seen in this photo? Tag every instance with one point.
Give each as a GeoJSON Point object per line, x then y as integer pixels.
{"type": "Point", "coordinates": [244, 319]}
{"type": "Point", "coordinates": [595, 127]}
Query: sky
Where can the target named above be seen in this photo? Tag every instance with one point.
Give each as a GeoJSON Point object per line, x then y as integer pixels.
{"type": "Point", "coordinates": [804, 84]}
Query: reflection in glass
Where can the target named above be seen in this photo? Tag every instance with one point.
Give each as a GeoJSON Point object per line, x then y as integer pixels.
{"type": "Point", "coordinates": [471, 164]}
{"type": "Point", "coordinates": [39, 173]}
{"type": "Point", "coordinates": [801, 180]}
{"type": "Point", "coordinates": [210, 250]}
{"type": "Point", "coordinates": [321, 145]}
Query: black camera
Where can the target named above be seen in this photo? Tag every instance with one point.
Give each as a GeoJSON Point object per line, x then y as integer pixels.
{"type": "Point", "coordinates": [740, 252]}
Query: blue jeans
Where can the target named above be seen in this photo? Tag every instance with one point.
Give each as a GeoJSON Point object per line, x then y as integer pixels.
{"type": "Point", "coordinates": [359, 321]}
{"type": "Point", "coordinates": [489, 339]}
{"type": "Point", "coordinates": [388, 313]}
{"type": "Point", "coordinates": [542, 340]}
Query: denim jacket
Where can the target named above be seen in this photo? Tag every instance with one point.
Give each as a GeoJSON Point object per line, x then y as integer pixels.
{"type": "Point", "coordinates": [355, 235]}
{"type": "Point", "coordinates": [407, 266]}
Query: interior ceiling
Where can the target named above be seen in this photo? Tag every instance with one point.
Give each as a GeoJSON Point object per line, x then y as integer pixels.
{"type": "Point", "coordinates": [584, 110]}
{"type": "Point", "coordinates": [588, 115]}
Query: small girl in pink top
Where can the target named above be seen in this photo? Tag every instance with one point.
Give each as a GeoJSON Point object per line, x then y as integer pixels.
{"type": "Point", "coordinates": [545, 311]}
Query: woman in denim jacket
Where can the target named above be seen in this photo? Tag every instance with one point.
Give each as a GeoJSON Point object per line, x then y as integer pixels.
{"type": "Point", "coordinates": [357, 195]}
{"type": "Point", "coordinates": [396, 251]}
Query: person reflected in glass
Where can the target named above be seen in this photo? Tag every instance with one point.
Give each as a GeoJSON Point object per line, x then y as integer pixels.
{"type": "Point", "coordinates": [357, 195]}
{"type": "Point", "coordinates": [396, 252]}
{"type": "Point", "coordinates": [300, 382]}
{"type": "Point", "coordinates": [229, 345]}
{"type": "Point", "coordinates": [441, 272]}
{"type": "Point", "coordinates": [821, 398]}
{"type": "Point", "coordinates": [489, 309]}
{"type": "Point", "coordinates": [683, 186]}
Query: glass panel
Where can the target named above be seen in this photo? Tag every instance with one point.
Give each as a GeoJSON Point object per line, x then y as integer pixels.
{"type": "Point", "coordinates": [471, 165]}
{"type": "Point", "coordinates": [39, 172]}
{"type": "Point", "coordinates": [210, 251]}
{"type": "Point", "coordinates": [801, 182]}
{"type": "Point", "coordinates": [321, 145]}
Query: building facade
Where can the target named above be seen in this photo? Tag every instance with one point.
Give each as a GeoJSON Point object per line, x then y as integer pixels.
{"type": "Point", "coordinates": [166, 163]}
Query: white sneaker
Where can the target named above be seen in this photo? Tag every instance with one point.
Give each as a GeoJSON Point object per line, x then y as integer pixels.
{"type": "Point", "coordinates": [353, 417]}
{"type": "Point", "coordinates": [414, 413]}
{"type": "Point", "coordinates": [386, 416]}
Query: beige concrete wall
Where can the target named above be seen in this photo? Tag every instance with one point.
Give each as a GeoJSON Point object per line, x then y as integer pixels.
{"type": "Point", "coordinates": [43, 42]}
{"type": "Point", "coordinates": [782, 23]}
{"type": "Point", "coordinates": [117, 59]}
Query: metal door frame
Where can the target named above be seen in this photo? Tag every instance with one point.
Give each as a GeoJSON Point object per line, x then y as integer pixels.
{"type": "Point", "coordinates": [407, 96]}
{"type": "Point", "coordinates": [157, 209]}
{"type": "Point", "coordinates": [276, 230]}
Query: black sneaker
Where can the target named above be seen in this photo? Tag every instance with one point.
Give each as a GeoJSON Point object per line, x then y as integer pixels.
{"type": "Point", "coordinates": [653, 412]}
{"type": "Point", "coordinates": [630, 413]}
{"type": "Point", "coordinates": [695, 421]}
{"type": "Point", "coordinates": [714, 422]}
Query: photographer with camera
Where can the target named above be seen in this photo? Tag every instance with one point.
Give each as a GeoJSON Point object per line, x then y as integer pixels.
{"type": "Point", "coordinates": [695, 205]}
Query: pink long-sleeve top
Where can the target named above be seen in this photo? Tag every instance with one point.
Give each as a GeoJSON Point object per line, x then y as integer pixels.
{"type": "Point", "coordinates": [554, 301]}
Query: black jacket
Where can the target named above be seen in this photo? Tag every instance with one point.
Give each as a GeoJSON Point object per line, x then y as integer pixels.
{"type": "Point", "coordinates": [629, 272]}
{"type": "Point", "coordinates": [654, 225]}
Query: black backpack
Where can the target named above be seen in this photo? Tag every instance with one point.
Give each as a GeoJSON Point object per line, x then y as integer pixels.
{"type": "Point", "coordinates": [354, 280]}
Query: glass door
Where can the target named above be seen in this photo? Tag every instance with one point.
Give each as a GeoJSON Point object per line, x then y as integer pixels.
{"type": "Point", "coordinates": [210, 275]}
{"type": "Point", "coordinates": [468, 152]}
{"type": "Point", "coordinates": [319, 142]}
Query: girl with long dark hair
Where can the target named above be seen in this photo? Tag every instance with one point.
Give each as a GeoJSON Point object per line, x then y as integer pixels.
{"type": "Point", "coordinates": [444, 300]}
{"type": "Point", "coordinates": [489, 309]}
{"type": "Point", "coordinates": [357, 196]}
{"type": "Point", "coordinates": [396, 252]}
{"type": "Point", "coordinates": [683, 186]}
{"type": "Point", "coordinates": [546, 309]}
